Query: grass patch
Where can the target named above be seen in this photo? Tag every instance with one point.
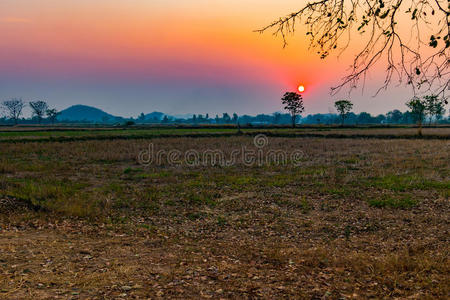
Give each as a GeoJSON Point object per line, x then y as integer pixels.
{"type": "Point", "coordinates": [401, 202]}
{"type": "Point", "coordinates": [404, 183]}
{"type": "Point", "coordinates": [202, 198]}
{"type": "Point", "coordinates": [304, 205]}
{"type": "Point", "coordinates": [132, 170]}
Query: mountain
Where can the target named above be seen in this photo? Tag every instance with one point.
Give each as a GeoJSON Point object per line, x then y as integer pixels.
{"type": "Point", "coordinates": [86, 114]}
{"type": "Point", "coordinates": [155, 116]}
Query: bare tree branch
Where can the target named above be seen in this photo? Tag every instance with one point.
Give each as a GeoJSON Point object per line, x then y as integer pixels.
{"type": "Point", "coordinates": [421, 61]}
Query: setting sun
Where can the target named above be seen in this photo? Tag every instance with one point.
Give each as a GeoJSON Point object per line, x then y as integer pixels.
{"type": "Point", "coordinates": [301, 88]}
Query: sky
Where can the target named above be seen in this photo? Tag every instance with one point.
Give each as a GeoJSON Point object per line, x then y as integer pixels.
{"type": "Point", "coordinates": [173, 56]}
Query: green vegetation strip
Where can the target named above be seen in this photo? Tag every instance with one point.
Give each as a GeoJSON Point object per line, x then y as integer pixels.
{"type": "Point", "coordinates": [221, 134]}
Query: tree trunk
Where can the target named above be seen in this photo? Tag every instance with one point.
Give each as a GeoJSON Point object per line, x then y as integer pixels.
{"type": "Point", "coordinates": [419, 130]}
{"type": "Point", "coordinates": [293, 120]}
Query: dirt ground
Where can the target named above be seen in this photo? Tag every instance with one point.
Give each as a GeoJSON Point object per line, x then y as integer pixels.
{"type": "Point", "coordinates": [360, 219]}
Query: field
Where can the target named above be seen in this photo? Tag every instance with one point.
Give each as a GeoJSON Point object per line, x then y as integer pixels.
{"type": "Point", "coordinates": [358, 213]}
{"type": "Point", "coordinates": [26, 133]}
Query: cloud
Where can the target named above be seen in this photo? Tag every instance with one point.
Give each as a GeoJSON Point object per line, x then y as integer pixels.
{"type": "Point", "coordinates": [13, 20]}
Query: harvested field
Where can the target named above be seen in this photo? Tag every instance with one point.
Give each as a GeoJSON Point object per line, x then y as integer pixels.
{"type": "Point", "coordinates": [349, 218]}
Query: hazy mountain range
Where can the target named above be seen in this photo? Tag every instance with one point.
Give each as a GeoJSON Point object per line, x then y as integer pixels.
{"type": "Point", "coordinates": [90, 114]}
{"type": "Point", "coordinates": [84, 113]}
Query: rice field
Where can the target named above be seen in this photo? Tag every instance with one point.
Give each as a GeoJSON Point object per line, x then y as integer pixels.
{"type": "Point", "coordinates": [227, 216]}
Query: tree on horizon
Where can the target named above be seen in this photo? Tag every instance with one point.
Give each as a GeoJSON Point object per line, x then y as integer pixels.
{"type": "Point", "coordinates": [434, 107]}
{"type": "Point", "coordinates": [39, 109]}
{"type": "Point", "coordinates": [343, 107]}
{"type": "Point", "coordinates": [294, 104]}
{"type": "Point", "coordinates": [13, 108]}
{"type": "Point", "coordinates": [52, 114]}
{"type": "Point", "coordinates": [418, 108]}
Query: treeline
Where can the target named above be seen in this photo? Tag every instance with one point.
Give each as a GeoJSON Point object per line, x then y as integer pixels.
{"type": "Point", "coordinates": [392, 117]}
{"type": "Point", "coordinates": [42, 114]}
{"type": "Point", "coordinates": [13, 108]}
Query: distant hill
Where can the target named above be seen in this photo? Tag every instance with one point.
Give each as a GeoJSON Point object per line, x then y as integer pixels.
{"type": "Point", "coordinates": [155, 116]}
{"type": "Point", "coordinates": [84, 113]}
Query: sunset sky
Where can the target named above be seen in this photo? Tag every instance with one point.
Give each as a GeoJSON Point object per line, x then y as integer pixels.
{"type": "Point", "coordinates": [174, 56]}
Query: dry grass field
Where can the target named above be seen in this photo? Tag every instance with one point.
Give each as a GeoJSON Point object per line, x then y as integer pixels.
{"type": "Point", "coordinates": [349, 219]}
{"type": "Point", "coordinates": [27, 133]}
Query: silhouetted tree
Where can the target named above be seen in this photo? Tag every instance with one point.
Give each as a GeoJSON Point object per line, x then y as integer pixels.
{"type": "Point", "coordinates": [418, 108]}
{"type": "Point", "coordinates": [364, 118]}
{"type": "Point", "coordinates": [343, 107]}
{"type": "Point", "coordinates": [434, 107]}
{"type": "Point", "coordinates": [439, 111]}
{"type": "Point", "coordinates": [394, 116]}
{"type": "Point", "coordinates": [141, 118]}
{"type": "Point", "coordinates": [52, 114]}
{"type": "Point", "coordinates": [235, 118]}
{"type": "Point", "coordinates": [331, 25]}
{"type": "Point", "coordinates": [407, 118]}
{"type": "Point", "coordinates": [13, 108]}
{"type": "Point", "coordinates": [226, 118]}
{"type": "Point", "coordinates": [276, 118]}
{"type": "Point", "coordinates": [380, 118]}
{"type": "Point", "coordinates": [294, 104]}
{"type": "Point", "coordinates": [39, 109]}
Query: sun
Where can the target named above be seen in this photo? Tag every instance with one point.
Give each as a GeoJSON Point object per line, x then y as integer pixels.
{"type": "Point", "coordinates": [301, 88]}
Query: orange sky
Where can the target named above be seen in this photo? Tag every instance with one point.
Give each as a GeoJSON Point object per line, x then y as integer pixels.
{"type": "Point", "coordinates": [203, 47]}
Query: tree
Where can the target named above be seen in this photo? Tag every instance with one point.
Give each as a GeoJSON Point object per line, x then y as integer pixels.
{"type": "Point", "coordinates": [418, 108]}
{"type": "Point", "coordinates": [380, 119]}
{"type": "Point", "coordinates": [276, 118]}
{"type": "Point", "coordinates": [39, 109]}
{"type": "Point", "coordinates": [343, 107]}
{"type": "Point", "coordinates": [411, 37]}
{"type": "Point", "coordinates": [141, 118]}
{"type": "Point", "coordinates": [364, 118]}
{"type": "Point", "coordinates": [52, 114]}
{"type": "Point", "coordinates": [434, 107]}
{"type": "Point", "coordinates": [13, 108]}
{"type": "Point", "coordinates": [439, 111]}
{"type": "Point", "coordinates": [235, 118]}
{"type": "Point", "coordinates": [394, 116]}
{"type": "Point", "coordinates": [226, 118]}
{"type": "Point", "coordinates": [407, 118]}
{"type": "Point", "coordinates": [294, 104]}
